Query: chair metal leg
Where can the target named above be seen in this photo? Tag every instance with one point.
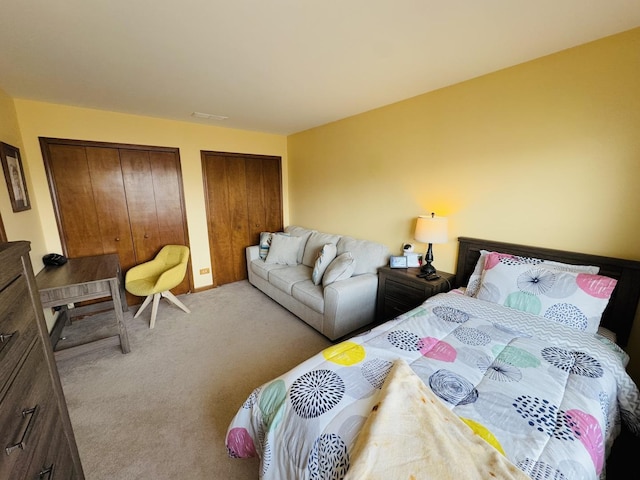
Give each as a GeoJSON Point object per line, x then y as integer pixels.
{"type": "Point", "coordinates": [143, 306]}
{"type": "Point", "coordinates": [154, 309]}
{"type": "Point", "coordinates": [170, 296]}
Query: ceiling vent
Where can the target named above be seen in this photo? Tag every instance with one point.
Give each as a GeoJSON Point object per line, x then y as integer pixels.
{"type": "Point", "coordinates": [208, 116]}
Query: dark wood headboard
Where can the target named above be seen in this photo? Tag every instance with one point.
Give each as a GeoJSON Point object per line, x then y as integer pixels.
{"type": "Point", "coordinates": [621, 311]}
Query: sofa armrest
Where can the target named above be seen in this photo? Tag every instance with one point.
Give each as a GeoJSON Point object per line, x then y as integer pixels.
{"type": "Point", "coordinates": [252, 252]}
{"type": "Point", "coordinates": [349, 304]}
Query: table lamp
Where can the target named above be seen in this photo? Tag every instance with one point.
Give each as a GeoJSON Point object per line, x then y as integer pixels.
{"type": "Point", "coordinates": [430, 229]}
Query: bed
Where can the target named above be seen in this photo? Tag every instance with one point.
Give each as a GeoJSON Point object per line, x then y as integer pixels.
{"type": "Point", "coordinates": [519, 375]}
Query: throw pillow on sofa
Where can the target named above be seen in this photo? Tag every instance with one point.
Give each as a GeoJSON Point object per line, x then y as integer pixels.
{"type": "Point", "coordinates": [341, 268]}
{"type": "Point", "coordinates": [265, 242]}
{"type": "Point", "coordinates": [283, 250]}
{"type": "Point", "coordinates": [325, 256]}
{"type": "Point", "coordinates": [316, 241]}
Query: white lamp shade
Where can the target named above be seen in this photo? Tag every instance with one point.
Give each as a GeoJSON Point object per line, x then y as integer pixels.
{"type": "Point", "coordinates": [431, 229]}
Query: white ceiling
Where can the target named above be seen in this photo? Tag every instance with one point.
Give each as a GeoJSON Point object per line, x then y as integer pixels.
{"type": "Point", "coordinates": [277, 66]}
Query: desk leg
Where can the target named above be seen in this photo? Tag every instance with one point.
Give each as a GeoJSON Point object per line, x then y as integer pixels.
{"type": "Point", "coordinates": [117, 306]}
{"type": "Point", "coordinates": [123, 295]}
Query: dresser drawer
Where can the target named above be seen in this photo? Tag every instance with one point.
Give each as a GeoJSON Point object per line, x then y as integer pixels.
{"type": "Point", "coordinates": [28, 414]}
{"type": "Point", "coordinates": [18, 327]}
{"type": "Point", "coordinates": [11, 268]}
{"type": "Point", "coordinates": [410, 294]}
{"type": "Point", "coordinates": [394, 307]}
{"type": "Point", "coordinates": [53, 460]}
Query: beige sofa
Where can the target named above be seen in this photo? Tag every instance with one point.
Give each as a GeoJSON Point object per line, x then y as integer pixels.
{"type": "Point", "coordinates": [336, 302]}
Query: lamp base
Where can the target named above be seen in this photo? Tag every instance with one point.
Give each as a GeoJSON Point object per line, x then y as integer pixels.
{"type": "Point", "coordinates": [428, 269]}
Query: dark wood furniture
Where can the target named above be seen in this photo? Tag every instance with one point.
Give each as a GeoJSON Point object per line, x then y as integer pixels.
{"type": "Point", "coordinates": [37, 437]}
{"type": "Point", "coordinates": [117, 198]}
{"type": "Point", "coordinates": [81, 279]}
{"type": "Point", "coordinates": [400, 290]}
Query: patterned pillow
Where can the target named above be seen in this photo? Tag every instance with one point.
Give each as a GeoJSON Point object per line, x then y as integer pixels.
{"type": "Point", "coordinates": [265, 243]}
{"type": "Point", "coordinates": [341, 268]}
{"type": "Point", "coordinates": [325, 256]}
{"type": "Point", "coordinates": [574, 299]}
{"type": "Point", "coordinates": [473, 285]}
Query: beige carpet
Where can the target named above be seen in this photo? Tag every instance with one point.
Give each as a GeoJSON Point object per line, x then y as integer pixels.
{"type": "Point", "coordinates": [161, 411]}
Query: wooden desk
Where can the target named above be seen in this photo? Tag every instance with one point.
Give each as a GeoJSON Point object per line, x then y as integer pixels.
{"type": "Point", "coordinates": [86, 278]}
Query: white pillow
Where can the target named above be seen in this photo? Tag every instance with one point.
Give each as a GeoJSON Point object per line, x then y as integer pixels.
{"type": "Point", "coordinates": [283, 250]}
{"type": "Point", "coordinates": [340, 268]}
{"type": "Point", "coordinates": [574, 299]}
{"type": "Point", "coordinates": [265, 243]}
{"type": "Point", "coordinates": [325, 256]}
{"type": "Point", "coordinates": [473, 285]}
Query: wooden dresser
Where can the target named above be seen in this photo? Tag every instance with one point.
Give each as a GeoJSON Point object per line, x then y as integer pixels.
{"type": "Point", "coordinates": [35, 429]}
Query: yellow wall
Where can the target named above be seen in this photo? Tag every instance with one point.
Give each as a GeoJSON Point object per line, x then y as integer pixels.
{"type": "Point", "coordinates": [545, 153]}
{"type": "Point", "coordinates": [37, 119]}
{"type": "Point", "coordinates": [23, 225]}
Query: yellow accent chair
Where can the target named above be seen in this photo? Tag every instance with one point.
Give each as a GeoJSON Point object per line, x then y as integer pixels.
{"type": "Point", "coordinates": [156, 277]}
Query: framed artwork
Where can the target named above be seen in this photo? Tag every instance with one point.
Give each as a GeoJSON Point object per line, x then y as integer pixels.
{"type": "Point", "coordinates": [14, 175]}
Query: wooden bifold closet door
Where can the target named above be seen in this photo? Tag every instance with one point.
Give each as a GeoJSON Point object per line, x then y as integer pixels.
{"type": "Point", "coordinates": [243, 198]}
{"type": "Point", "coordinates": [113, 198]}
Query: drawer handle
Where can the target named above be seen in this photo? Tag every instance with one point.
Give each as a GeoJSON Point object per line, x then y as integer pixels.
{"type": "Point", "coordinates": [47, 471]}
{"type": "Point", "coordinates": [21, 444]}
{"type": "Point", "coordinates": [5, 337]}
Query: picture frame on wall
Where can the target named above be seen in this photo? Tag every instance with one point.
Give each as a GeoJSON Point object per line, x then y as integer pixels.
{"type": "Point", "coordinates": [14, 176]}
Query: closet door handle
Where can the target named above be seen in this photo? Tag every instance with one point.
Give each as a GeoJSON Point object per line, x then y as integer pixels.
{"type": "Point", "coordinates": [32, 412]}
{"type": "Point", "coordinates": [146, 235]}
{"type": "Point", "coordinates": [117, 239]}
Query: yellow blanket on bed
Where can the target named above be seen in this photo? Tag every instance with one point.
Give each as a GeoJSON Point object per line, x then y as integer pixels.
{"type": "Point", "coordinates": [410, 434]}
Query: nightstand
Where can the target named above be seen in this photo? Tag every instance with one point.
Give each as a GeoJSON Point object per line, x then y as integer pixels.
{"type": "Point", "coordinates": [400, 290]}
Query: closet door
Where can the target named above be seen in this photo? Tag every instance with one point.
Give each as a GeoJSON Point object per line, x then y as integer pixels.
{"type": "Point", "coordinates": [91, 205]}
{"type": "Point", "coordinates": [264, 196]}
{"type": "Point", "coordinates": [243, 198]}
{"type": "Point", "coordinates": [111, 204]}
{"type": "Point", "coordinates": [154, 198]}
{"type": "Point", "coordinates": [112, 198]}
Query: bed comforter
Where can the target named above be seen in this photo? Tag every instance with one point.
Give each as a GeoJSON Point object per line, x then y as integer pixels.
{"type": "Point", "coordinates": [546, 396]}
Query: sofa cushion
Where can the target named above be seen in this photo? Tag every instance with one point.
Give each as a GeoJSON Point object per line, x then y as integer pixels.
{"type": "Point", "coordinates": [316, 241]}
{"type": "Point", "coordinates": [303, 233]}
{"type": "Point", "coordinates": [341, 268]}
{"type": "Point", "coordinates": [262, 269]}
{"type": "Point", "coordinates": [325, 257]}
{"type": "Point", "coordinates": [283, 250]}
{"type": "Point", "coordinates": [368, 255]}
{"type": "Point", "coordinates": [285, 278]}
{"type": "Point", "coordinates": [309, 294]}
